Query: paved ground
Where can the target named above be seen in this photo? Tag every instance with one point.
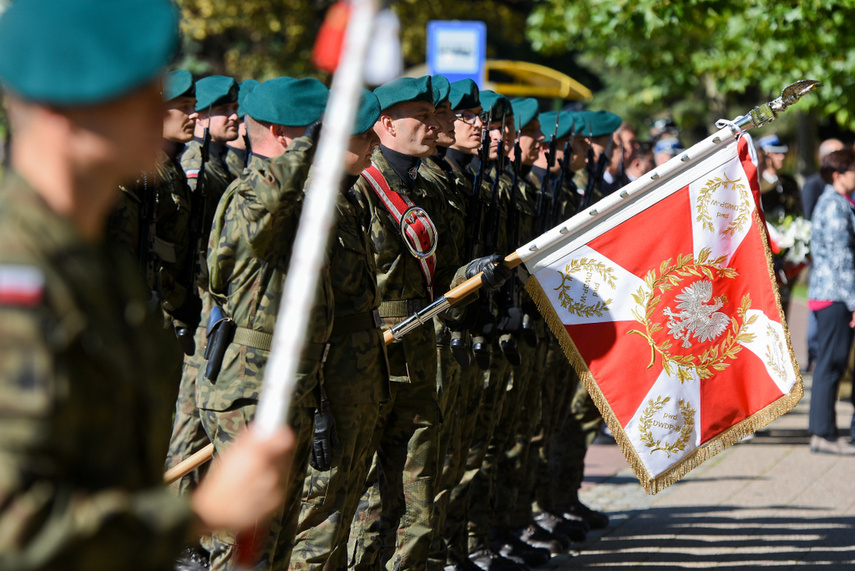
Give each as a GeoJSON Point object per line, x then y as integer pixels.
{"type": "Point", "coordinates": [766, 502]}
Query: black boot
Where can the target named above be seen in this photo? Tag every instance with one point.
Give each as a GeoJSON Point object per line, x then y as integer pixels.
{"type": "Point", "coordinates": [489, 560]}
{"type": "Point", "coordinates": [574, 530]}
{"type": "Point", "coordinates": [578, 510]}
{"type": "Point", "coordinates": [507, 544]}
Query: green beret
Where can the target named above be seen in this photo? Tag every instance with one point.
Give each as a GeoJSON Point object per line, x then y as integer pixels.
{"type": "Point", "coordinates": [567, 124]}
{"type": "Point", "coordinates": [599, 123]}
{"type": "Point", "coordinates": [287, 101]}
{"type": "Point", "coordinates": [178, 83]}
{"type": "Point", "coordinates": [525, 111]}
{"type": "Point", "coordinates": [84, 52]}
{"type": "Point", "coordinates": [499, 104]}
{"type": "Point", "coordinates": [245, 87]}
{"type": "Point", "coordinates": [441, 89]}
{"type": "Point", "coordinates": [367, 113]}
{"type": "Point", "coordinates": [215, 90]}
{"type": "Point", "coordinates": [464, 94]}
{"type": "Point", "coordinates": [404, 89]}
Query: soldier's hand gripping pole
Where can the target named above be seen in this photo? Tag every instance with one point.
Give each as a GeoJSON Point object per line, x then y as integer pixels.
{"type": "Point", "coordinates": [452, 298]}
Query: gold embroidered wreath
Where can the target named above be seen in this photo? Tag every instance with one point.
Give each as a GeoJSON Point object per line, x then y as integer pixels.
{"type": "Point", "coordinates": [670, 275]}
{"type": "Point", "coordinates": [646, 426]}
{"type": "Point", "coordinates": [579, 308]}
{"type": "Point", "coordinates": [743, 209]}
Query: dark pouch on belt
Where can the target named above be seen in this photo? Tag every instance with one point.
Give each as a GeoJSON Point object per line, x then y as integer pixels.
{"type": "Point", "coordinates": [219, 332]}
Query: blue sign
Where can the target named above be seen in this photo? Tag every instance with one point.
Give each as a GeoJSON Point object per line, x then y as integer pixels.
{"type": "Point", "coordinates": [457, 50]}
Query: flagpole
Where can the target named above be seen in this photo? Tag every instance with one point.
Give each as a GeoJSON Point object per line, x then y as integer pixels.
{"type": "Point", "coordinates": [534, 252]}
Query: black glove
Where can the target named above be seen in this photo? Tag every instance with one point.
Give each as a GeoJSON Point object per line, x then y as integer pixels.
{"type": "Point", "coordinates": [495, 272]}
{"type": "Point", "coordinates": [325, 439]}
{"type": "Point", "coordinates": [190, 313]}
{"type": "Point", "coordinates": [510, 320]}
{"type": "Point", "coordinates": [313, 131]}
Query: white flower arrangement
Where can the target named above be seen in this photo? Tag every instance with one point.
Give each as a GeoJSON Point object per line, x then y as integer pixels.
{"type": "Point", "coordinates": [792, 236]}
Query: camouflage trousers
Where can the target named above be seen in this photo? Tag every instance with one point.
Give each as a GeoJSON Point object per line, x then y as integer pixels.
{"type": "Point", "coordinates": [516, 482]}
{"type": "Point", "coordinates": [453, 533]}
{"type": "Point", "coordinates": [482, 462]}
{"type": "Point", "coordinates": [188, 435]}
{"type": "Point", "coordinates": [567, 429]}
{"type": "Point", "coordinates": [448, 376]}
{"type": "Point", "coordinates": [576, 435]}
{"type": "Point", "coordinates": [330, 498]}
{"type": "Point", "coordinates": [275, 550]}
{"type": "Point", "coordinates": [394, 522]}
{"type": "Point", "coordinates": [557, 387]}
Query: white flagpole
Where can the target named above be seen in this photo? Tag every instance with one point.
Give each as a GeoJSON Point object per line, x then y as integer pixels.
{"type": "Point", "coordinates": [533, 253]}
{"type": "Point", "coordinates": [316, 222]}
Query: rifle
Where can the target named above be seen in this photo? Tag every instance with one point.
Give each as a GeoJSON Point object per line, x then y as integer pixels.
{"type": "Point", "coordinates": [197, 240]}
{"type": "Point", "coordinates": [492, 234]}
{"type": "Point", "coordinates": [481, 342]}
{"type": "Point", "coordinates": [510, 321]}
{"type": "Point", "coordinates": [473, 214]}
{"type": "Point", "coordinates": [595, 173]}
{"type": "Point", "coordinates": [147, 234]}
{"type": "Point", "coordinates": [540, 207]}
{"type": "Point", "coordinates": [247, 150]}
{"type": "Point", "coordinates": [555, 214]}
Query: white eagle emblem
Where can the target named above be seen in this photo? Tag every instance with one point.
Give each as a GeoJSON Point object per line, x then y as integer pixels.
{"type": "Point", "coordinates": [696, 315]}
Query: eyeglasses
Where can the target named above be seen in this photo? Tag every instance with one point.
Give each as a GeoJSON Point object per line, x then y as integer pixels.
{"type": "Point", "coordinates": [468, 117]}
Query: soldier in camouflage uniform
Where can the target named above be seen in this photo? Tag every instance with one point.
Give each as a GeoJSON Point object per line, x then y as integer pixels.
{"type": "Point", "coordinates": [577, 420]}
{"type": "Point", "coordinates": [558, 378]}
{"type": "Point", "coordinates": [468, 126]}
{"type": "Point", "coordinates": [248, 256]}
{"type": "Point", "coordinates": [86, 403]}
{"type": "Point", "coordinates": [355, 372]}
{"type": "Point", "coordinates": [151, 220]}
{"type": "Point", "coordinates": [237, 153]}
{"type": "Point", "coordinates": [440, 172]}
{"type": "Point", "coordinates": [152, 214]}
{"type": "Point", "coordinates": [395, 522]}
{"type": "Point", "coordinates": [217, 105]}
{"type": "Point", "coordinates": [217, 97]}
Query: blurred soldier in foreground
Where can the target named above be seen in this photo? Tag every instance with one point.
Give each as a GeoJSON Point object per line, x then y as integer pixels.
{"type": "Point", "coordinates": [85, 405]}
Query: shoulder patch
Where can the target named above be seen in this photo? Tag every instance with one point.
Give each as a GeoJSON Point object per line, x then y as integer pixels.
{"type": "Point", "coordinates": [21, 286]}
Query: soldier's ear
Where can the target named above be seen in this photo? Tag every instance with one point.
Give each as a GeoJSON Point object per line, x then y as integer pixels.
{"type": "Point", "coordinates": [385, 124]}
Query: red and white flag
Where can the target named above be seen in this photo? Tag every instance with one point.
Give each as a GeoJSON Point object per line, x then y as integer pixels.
{"type": "Point", "coordinates": [669, 311]}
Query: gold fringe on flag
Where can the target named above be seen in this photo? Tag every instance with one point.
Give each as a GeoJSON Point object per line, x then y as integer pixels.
{"type": "Point", "coordinates": [717, 444]}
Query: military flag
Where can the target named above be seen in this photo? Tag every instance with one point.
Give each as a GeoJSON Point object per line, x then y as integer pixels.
{"type": "Point", "coordinates": [668, 309]}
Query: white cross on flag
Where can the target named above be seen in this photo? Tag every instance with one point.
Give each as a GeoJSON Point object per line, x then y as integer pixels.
{"type": "Point", "coordinates": [669, 311]}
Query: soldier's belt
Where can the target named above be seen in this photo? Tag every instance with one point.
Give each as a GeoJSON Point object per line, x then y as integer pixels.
{"type": "Point", "coordinates": [402, 307]}
{"type": "Point", "coordinates": [350, 324]}
{"type": "Point", "coordinates": [264, 341]}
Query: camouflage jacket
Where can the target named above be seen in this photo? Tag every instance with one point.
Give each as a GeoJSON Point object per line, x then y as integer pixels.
{"type": "Point", "coordinates": [84, 406]}
{"type": "Point", "coordinates": [167, 255]}
{"type": "Point", "coordinates": [399, 276]}
{"type": "Point", "coordinates": [217, 178]}
{"type": "Point", "coordinates": [248, 256]}
{"type": "Point", "coordinates": [235, 160]}
{"type": "Point", "coordinates": [356, 370]}
{"type": "Point", "coordinates": [455, 188]}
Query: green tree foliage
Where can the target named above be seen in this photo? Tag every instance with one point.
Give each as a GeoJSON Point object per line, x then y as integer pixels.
{"type": "Point", "coordinates": [251, 38]}
{"type": "Point", "coordinates": [723, 51]}
{"type": "Point", "coordinates": [266, 38]}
